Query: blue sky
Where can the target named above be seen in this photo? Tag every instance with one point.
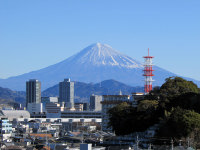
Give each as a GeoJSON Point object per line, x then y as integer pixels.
{"type": "Point", "coordinates": [37, 33]}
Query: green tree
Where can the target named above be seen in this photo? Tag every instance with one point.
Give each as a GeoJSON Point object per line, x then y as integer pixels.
{"type": "Point", "coordinates": [190, 101]}
{"type": "Point", "coordinates": [119, 118]}
{"type": "Point", "coordinates": [125, 119]}
{"type": "Point", "coordinates": [181, 123]}
{"type": "Point", "coordinates": [154, 94]}
{"type": "Point", "coordinates": [147, 105]}
{"type": "Point", "coordinates": [175, 86]}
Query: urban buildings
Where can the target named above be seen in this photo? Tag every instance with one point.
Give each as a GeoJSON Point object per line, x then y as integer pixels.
{"type": "Point", "coordinates": [53, 110]}
{"type": "Point", "coordinates": [49, 99]}
{"type": "Point", "coordinates": [35, 108]}
{"type": "Point", "coordinates": [81, 106]}
{"type": "Point", "coordinates": [46, 100]}
{"type": "Point", "coordinates": [33, 96]}
{"type": "Point", "coordinates": [66, 93]}
{"type": "Point", "coordinates": [78, 106]}
{"type": "Point", "coordinates": [81, 114]}
{"type": "Point", "coordinates": [33, 91]}
{"type": "Point", "coordinates": [5, 126]}
{"type": "Point", "coordinates": [95, 102]}
{"type": "Point", "coordinates": [6, 129]}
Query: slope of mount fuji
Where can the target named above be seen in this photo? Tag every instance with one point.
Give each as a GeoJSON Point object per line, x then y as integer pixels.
{"type": "Point", "coordinates": [95, 63]}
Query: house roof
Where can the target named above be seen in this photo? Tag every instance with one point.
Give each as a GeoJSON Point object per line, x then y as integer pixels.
{"type": "Point", "coordinates": [41, 135]}
{"type": "Point", "coordinates": [15, 113]}
{"type": "Point", "coordinates": [14, 147]}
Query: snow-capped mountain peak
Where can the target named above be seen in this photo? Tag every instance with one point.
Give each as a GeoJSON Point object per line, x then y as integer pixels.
{"type": "Point", "coordinates": [102, 54]}
{"type": "Point", "coordinates": [94, 63]}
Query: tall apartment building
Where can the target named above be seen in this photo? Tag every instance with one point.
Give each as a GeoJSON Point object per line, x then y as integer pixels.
{"type": "Point", "coordinates": [108, 102]}
{"type": "Point", "coordinates": [66, 93]}
{"type": "Point", "coordinates": [95, 102]}
{"type": "Point", "coordinates": [33, 91]}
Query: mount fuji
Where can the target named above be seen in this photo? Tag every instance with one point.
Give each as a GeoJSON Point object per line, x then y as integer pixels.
{"type": "Point", "coordinates": [95, 63]}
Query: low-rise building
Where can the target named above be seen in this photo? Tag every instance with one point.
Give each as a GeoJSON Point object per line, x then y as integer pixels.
{"type": "Point", "coordinates": [46, 100]}
{"type": "Point", "coordinates": [95, 102]}
{"type": "Point", "coordinates": [5, 128]}
{"type": "Point", "coordinates": [78, 106]}
{"type": "Point", "coordinates": [138, 96]}
{"type": "Point", "coordinates": [35, 108]}
{"type": "Point", "coordinates": [81, 114]}
{"type": "Point", "coordinates": [5, 125]}
{"type": "Point", "coordinates": [12, 114]}
{"type": "Point", "coordinates": [49, 99]}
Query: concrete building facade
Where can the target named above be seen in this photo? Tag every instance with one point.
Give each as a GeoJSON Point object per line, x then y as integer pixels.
{"type": "Point", "coordinates": [35, 108]}
{"type": "Point", "coordinates": [95, 102]}
{"type": "Point", "coordinates": [66, 93]}
{"type": "Point", "coordinates": [33, 91]}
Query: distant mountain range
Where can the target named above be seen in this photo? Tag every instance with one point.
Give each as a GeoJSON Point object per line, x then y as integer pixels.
{"type": "Point", "coordinates": [95, 63]}
{"type": "Point", "coordinates": [84, 90]}
{"type": "Point", "coordinates": [8, 96]}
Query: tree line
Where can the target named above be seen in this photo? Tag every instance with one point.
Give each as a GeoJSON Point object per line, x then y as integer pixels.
{"type": "Point", "coordinates": [175, 106]}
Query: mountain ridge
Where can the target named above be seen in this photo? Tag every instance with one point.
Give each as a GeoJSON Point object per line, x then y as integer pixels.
{"type": "Point", "coordinates": [8, 96]}
{"type": "Point", "coordinates": [83, 91]}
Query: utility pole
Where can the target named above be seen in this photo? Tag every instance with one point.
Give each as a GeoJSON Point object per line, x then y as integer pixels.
{"type": "Point", "coordinates": [172, 146]}
{"type": "Point", "coordinates": [149, 148]}
{"type": "Point", "coordinates": [188, 142]}
{"type": "Point", "coordinates": [137, 143]}
{"type": "Point", "coordinates": [180, 142]}
{"type": "Point", "coordinates": [46, 139]}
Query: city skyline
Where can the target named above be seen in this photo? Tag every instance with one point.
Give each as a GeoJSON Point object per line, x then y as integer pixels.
{"type": "Point", "coordinates": [52, 31]}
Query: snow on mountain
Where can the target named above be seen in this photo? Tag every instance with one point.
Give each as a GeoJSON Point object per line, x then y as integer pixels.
{"type": "Point", "coordinates": [95, 63]}
{"type": "Point", "coordinates": [104, 55]}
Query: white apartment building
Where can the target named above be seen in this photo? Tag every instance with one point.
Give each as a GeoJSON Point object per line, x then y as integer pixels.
{"type": "Point", "coordinates": [95, 102]}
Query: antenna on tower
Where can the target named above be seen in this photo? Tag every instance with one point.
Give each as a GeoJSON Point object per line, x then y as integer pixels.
{"type": "Point", "coordinates": [148, 73]}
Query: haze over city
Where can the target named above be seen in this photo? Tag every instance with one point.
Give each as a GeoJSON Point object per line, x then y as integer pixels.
{"type": "Point", "coordinates": [36, 34]}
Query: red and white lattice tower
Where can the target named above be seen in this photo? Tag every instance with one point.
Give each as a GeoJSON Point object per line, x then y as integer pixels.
{"type": "Point", "coordinates": [148, 73]}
